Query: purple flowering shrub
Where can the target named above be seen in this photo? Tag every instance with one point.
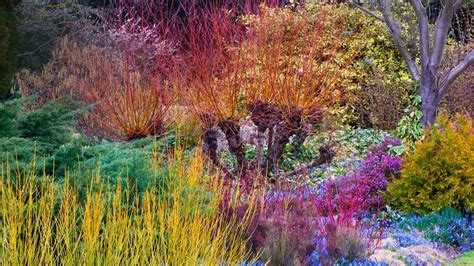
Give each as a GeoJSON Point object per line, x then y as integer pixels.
{"type": "Point", "coordinates": [366, 185]}
{"type": "Point", "coordinates": [346, 230]}
{"type": "Point", "coordinates": [347, 207]}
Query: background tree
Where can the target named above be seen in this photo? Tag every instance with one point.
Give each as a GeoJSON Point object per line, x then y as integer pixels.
{"type": "Point", "coordinates": [9, 39]}
{"type": "Point", "coordinates": [432, 43]}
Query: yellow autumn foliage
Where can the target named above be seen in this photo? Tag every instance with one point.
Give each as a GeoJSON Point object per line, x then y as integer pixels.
{"type": "Point", "coordinates": [440, 172]}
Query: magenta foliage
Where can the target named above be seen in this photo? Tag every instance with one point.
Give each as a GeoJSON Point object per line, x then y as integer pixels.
{"type": "Point", "coordinates": [374, 172]}
{"type": "Point", "coordinates": [338, 218]}
{"type": "Point", "coordinates": [345, 229]}
{"type": "Point", "coordinates": [347, 207]}
{"type": "Point", "coordinates": [367, 184]}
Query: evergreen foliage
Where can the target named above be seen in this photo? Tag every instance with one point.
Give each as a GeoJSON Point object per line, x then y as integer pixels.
{"type": "Point", "coordinates": [440, 172]}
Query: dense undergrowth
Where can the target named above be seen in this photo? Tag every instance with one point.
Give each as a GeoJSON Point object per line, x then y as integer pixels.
{"type": "Point", "coordinates": [230, 132]}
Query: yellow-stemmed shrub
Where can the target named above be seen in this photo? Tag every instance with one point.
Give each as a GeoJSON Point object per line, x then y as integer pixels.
{"type": "Point", "coordinates": [44, 222]}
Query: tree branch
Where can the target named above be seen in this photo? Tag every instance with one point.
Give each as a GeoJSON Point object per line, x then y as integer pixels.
{"type": "Point", "coordinates": [420, 11]}
{"type": "Point", "coordinates": [365, 10]}
{"type": "Point", "coordinates": [456, 71]}
{"type": "Point", "coordinates": [325, 156]}
{"type": "Point", "coordinates": [458, 5]}
{"type": "Point", "coordinates": [397, 39]}
{"type": "Point", "coordinates": [443, 23]}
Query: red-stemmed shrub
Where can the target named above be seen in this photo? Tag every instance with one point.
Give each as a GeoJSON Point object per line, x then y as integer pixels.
{"type": "Point", "coordinates": [293, 76]}
{"type": "Point", "coordinates": [336, 220]}
{"type": "Point", "coordinates": [347, 207]}
{"type": "Point", "coordinates": [125, 102]}
{"type": "Point", "coordinates": [346, 230]}
{"type": "Point", "coordinates": [130, 95]}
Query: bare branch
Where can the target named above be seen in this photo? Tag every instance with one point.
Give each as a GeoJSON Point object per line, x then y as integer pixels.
{"type": "Point", "coordinates": [456, 71]}
{"type": "Point", "coordinates": [443, 23]}
{"type": "Point", "coordinates": [420, 11]}
{"type": "Point", "coordinates": [326, 154]}
{"type": "Point", "coordinates": [397, 39]}
{"type": "Point", "coordinates": [365, 10]}
{"type": "Point", "coordinates": [458, 5]}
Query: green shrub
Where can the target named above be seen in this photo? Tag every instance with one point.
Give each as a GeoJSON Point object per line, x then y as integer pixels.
{"type": "Point", "coordinates": [137, 164]}
{"type": "Point", "coordinates": [46, 133]}
{"type": "Point", "coordinates": [121, 162]}
{"type": "Point", "coordinates": [440, 172]}
{"type": "Point", "coordinates": [9, 118]}
{"type": "Point", "coordinates": [53, 123]}
{"type": "Point", "coordinates": [465, 259]}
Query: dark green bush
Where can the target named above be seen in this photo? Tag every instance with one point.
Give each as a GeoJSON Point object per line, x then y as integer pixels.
{"type": "Point", "coordinates": [137, 165]}
{"type": "Point", "coordinates": [9, 118]}
{"type": "Point", "coordinates": [46, 133]}
{"type": "Point", "coordinates": [119, 162]}
{"type": "Point", "coordinates": [53, 123]}
{"type": "Point", "coordinates": [9, 42]}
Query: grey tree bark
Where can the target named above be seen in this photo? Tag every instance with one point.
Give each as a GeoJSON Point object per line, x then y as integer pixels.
{"type": "Point", "coordinates": [432, 45]}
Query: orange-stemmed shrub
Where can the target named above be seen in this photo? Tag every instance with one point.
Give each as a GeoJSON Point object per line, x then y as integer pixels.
{"type": "Point", "coordinates": [207, 77]}
{"type": "Point", "coordinates": [294, 76]}
{"type": "Point", "coordinates": [127, 101]}
{"type": "Point", "coordinates": [116, 72]}
{"type": "Point", "coordinates": [279, 66]}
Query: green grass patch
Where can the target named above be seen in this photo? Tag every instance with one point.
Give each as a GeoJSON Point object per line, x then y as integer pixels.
{"type": "Point", "coordinates": [465, 259]}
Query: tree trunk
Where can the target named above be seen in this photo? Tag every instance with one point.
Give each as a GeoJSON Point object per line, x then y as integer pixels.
{"type": "Point", "coordinates": [231, 130]}
{"type": "Point", "coordinates": [260, 143]}
{"type": "Point", "coordinates": [429, 99]}
{"type": "Point", "coordinates": [283, 132]}
{"type": "Point", "coordinates": [210, 148]}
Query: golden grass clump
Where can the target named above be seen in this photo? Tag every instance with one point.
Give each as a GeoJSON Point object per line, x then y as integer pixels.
{"type": "Point", "coordinates": [44, 222]}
